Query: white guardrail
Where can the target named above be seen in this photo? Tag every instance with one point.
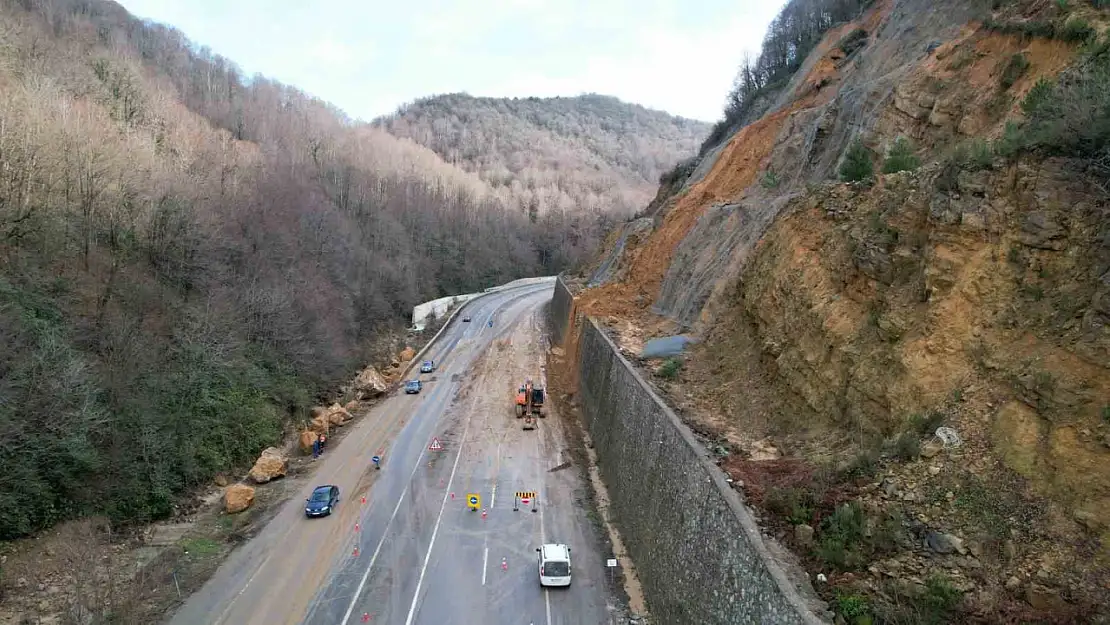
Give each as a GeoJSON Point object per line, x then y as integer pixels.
{"type": "Point", "coordinates": [416, 360]}
{"type": "Point", "coordinates": [438, 307]}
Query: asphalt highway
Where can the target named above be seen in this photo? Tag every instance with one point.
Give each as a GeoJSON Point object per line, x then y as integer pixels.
{"type": "Point", "coordinates": [413, 552]}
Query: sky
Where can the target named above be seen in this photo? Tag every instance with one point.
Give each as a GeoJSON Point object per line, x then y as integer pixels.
{"type": "Point", "coordinates": [370, 56]}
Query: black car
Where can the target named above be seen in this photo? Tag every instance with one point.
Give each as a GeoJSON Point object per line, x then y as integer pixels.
{"type": "Point", "coordinates": [466, 319]}
{"type": "Point", "coordinates": [322, 501]}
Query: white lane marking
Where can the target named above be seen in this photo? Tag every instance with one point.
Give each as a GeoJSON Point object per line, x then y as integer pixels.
{"type": "Point", "coordinates": [496, 470]}
{"type": "Point", "coordinates": [439, 519]}
{"type": "Point", "coordinates": [485, 565]}
{"type": "Point", "coordinates": [381, 541]}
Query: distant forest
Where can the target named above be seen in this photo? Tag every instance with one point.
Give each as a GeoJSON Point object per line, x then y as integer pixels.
{"type": "Point", "coordinates": [188, 256]}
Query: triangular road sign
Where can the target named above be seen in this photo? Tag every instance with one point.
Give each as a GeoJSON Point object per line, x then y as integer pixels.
{"type": "Point", "coordinates": [436, 445]}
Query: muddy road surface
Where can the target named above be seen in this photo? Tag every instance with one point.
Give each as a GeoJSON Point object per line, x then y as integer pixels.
{"type": "Point", "coordinates": [402, 546]}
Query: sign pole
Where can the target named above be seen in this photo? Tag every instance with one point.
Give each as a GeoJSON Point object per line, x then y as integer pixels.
{"type": "Point", "coordinates": [516, 503]}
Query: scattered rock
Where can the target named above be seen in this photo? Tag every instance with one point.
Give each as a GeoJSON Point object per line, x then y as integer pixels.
{"type": "Point", "coordinates": [238, 497]}
{"type": "Point", "coordinates": [407, 354]}
{"type": "Point", "coordinates": [764, 450]}
{"type": "Point", "coordinates": [338, 415]}
{"type": "Point", "coordinates": [931, 449]}
{"type": "Point", "coordinates": [221, 480]}
{"type": "Point", "coordinates": [1013, 583]}
{"type": "Point", "coordinates": [803, 534]}
{"type": "Point", "coordinates": [1009, 550]}
{"type": "Point", "coordinates": [944, 543]}
{"type": "Point", "coordinates": [558, 351]}
{"type": "Point", "coordinates": [320, 424]}
{"type": "Point", "coordinates": [889, 487]}
{"type": "Point", "coordinates": [1044, 598]}
{"type": "Point", "coordinates": [352, 406]}
{"type": "Point", "coordinates": [934, 470]}
{"type": "Point", "coordinates": [269, 466]}
{"type": "Point", "coordinates": [370, 383]}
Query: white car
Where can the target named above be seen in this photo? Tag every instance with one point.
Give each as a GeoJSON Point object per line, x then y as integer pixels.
{"type": "Point", "coordinates": [554, 563]}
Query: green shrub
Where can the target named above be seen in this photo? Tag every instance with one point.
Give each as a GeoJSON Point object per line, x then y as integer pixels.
{"type": "Point", "coordinates": [937, 604]}
{"type": "Point", "coordinates": [842, 533]}
{"type": "Point", "coordinates": [900, 157]}
{"type": "Point", "coordinates": [1076, 29]}
{"type": "Point", "coordinates": [926, 425]}
{"type": "Point", "coordinates": [1014, 70]}
{"type": "Point", "coordinates": [1011, 141]}
{"type": "Point", "coordinates": [863, 464]}
{"type": "Point", "coordinates": [770, 179]}
{"type": "Point", "coordinates": [670, 369]}
{"type": "Point", "coordinates": [796, 505]}
{"type": "Point", "coordinates": [857, 165]}
{"type": "Point", "coordinates": [1071, 116]}
{"type": "Point", "coordinates": [854, 608]}
{"type": "Point", "coordinates": [853, 41]}
{"type": "Point", "coordinates": [973, 155]}
{"type": "Point", "coordinates": [907, 446]}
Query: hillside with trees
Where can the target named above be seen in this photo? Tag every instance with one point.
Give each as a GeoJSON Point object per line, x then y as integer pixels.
{"type": "Point", "coordinates": [189, 255]}
{"type": "Point", "coordinates": [590, 155]}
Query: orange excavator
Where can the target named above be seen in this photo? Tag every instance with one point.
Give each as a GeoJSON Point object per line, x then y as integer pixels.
{"type": "Point", "coordinates": [529, 404]}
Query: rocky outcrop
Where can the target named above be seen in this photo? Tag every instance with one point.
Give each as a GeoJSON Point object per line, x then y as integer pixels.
{"type": "Point", "coordinates": [271, 465]}
{"type": "Point", "coordinates": [407, 355]}
{"type": "Point", "coordinates": [238, 497]}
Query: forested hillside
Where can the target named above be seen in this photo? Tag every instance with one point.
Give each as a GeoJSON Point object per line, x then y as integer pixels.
{"type": "Point", "coordinates": [187, 255]}
{"type": "Point", "coordinates": [590, 155]}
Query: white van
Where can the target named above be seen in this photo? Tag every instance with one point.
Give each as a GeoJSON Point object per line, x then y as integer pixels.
{"type": "Point", "coordinates": [554, 563]}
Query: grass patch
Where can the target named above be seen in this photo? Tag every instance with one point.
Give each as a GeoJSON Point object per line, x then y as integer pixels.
{"type": "Point", "coordinates": [863, 465]}
{"type": "Point", "coordinates": [848, 540]}
{"type": "Point", "coordinates": [201, 547]}
{"type": "Point", "coordinates": [795, 504]}
{"type": "Point", "coordinates": [937, 604]}
{"type": "Point", "coordinates": [670, 369]}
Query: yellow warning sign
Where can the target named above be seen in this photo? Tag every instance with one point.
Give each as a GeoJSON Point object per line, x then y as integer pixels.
{"type": "Point", "coordinates": [474, 501]}
{"type": "Point", "coordinates": [525, 494]}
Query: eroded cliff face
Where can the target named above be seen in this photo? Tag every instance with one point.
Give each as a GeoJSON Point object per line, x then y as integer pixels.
{"type": "Point", "coordinates": [876, 304]}
{"type": "Point", "coordinates": [841, 324]}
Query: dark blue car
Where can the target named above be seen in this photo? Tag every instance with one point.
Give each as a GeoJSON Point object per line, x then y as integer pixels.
{"type": "Point", "coordinates": [413, 386]}
{"type": "Point", "coordinates": [322, 501]}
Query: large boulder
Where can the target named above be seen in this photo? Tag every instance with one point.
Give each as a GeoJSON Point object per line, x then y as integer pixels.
{"type": "Point", "coordinates": [320, 425]}
{"type": "Point", "coordinates": [307, 438]}
{"type": "Point", "coordinates": [352, 406]}
{"type": "Point", "coordinates": [407, 354]}
{"type": "Point", "coordinates": [238, 497]}
{"type": "Point", "coordinates": [370, 383]}
{"type": "Point", "coordinates": [269, 466]}
{"type": "Point", "coordinates": [338, 415]}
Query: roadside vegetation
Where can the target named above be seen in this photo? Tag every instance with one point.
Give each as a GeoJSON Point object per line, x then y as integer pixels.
{"type": "Point", "coordinates": [189, 256]}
